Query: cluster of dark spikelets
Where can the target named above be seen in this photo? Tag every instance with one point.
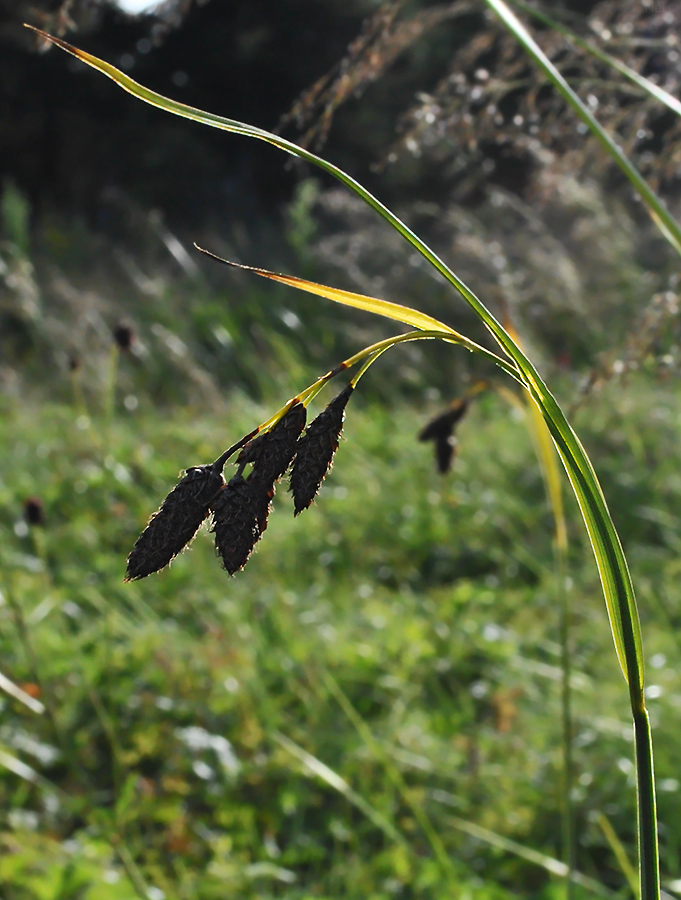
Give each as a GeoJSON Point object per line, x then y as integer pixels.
{"type": "Point", "coordinates": [440, 430]}
{"type": "Point", "coordinates": [240, 507]}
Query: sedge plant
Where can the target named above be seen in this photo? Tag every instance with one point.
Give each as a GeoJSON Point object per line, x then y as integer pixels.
{"type": "Point", "coordinates": [239, 506]}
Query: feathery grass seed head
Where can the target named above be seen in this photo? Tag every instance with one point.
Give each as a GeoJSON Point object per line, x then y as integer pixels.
{"type": "Point", "coordinates": [173, 526]}
{"type": "Point", "coordinates": [316, 450]}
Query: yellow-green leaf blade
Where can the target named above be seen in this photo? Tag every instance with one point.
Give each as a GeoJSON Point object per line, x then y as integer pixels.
{"type": "Point", "coordinates": [385, 308]}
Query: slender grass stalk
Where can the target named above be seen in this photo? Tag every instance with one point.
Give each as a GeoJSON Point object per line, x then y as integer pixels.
{"type": "Point", "coordinates": [334, 780]}
{"type": "Point", "coordinates": [555, 866]}
{"type": "Point", "coordinates": [548, 464]}
{"type": "Point", "coordinates": [552, 481]}
{"type": "Point", "coordinates": [610, 559]}
{"type": "Point", "coordinates": [654, 90]}
{"type": "Point", "coordinates": [110, 386]}
{"type": "Point", "coordinates": [619, 852]}
{"type": "Point", "coordinates": [13, 690]}
{"type": "Point", "coordinates": [131, 868]}
{"type": "Point", "coordinates": [26, 642]}
{"type": "Point", "coordinates": [664, 220]}
{"type": "Point", "coordinates": [394, 774]}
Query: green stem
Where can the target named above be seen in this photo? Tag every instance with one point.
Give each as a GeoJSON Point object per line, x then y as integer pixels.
{"type": "Point", "coordinates": [568, 821]}
{"type": "Point", "coordinates": [659, 212]}
{"type": "Point", "coordinates": [110, 387]}
{"type": "Point", "coordinates": [647, 807]}
{"type": "Point", "coordinates": [654, 90]}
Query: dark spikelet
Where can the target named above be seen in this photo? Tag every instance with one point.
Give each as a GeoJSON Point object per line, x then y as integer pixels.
{"type": "Point", "coordinates": [272, 452]}
{"type": "Point", "coordinates": [173, 526]}
{"type": "Point", "coordinates": [445, 451]}
{"type": "Point", "coordinates": [271, 455]}
{"type": "Point", "coordinates": [440, 430]}
{"type": "Point", "coordinates": [316, 450]}
{"type": "Point", "coordinates": [445, 422]}
{"type": "Point", "coordinates": [34, 512]}
{"type": "Point", "coordinates": [235, 523]}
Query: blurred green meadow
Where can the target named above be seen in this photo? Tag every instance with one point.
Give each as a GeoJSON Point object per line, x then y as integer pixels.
{"type": "Point", "coordinates": [372, 709]}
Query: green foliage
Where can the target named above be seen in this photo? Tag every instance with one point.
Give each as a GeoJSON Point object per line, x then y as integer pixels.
{"type": "Point", "coordinates": [14, 216]}
{"type": "Point", "coordinates": [429, 600]}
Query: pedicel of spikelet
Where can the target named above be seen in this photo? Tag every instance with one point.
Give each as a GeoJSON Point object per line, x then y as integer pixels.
{"type": "Point", "coordinates": [271, 455]}
{"type": "Point", "coordinates": [176, 522]}
{"type": "Point", "coordinates": [440, 430]}
{"type": "Point", "coordinates": [316, 450]}
{"type": "Point", "coordinates": [235, 523]}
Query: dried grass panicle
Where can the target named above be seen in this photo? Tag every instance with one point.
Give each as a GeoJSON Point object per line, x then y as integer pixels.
{"type": "Point", "coordinates": [440, 430]}
{"type": "Point", "coordinates": [173, 526]}
{"type": "Point", "coordinates": [235, 523]}
{"type": "Point", "coordinates": [271, 455]}
{"type": "Point", "coordinates": [316, 450]}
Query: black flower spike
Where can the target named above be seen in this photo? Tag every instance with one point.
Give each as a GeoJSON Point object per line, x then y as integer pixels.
{"type": "Point", "coordinates": [316, 450]}
{"type": "Point", "coordinates": [271, 455]}
{"type": "Point", "coordinates": [34, 512]}
{"type": "Point", "coordinates": [235, 523]}
{"type": "Point", "coordinates": [173, 526]}
{"type": "Point", "coordinates": [124, 336]}
{"type": "Point", "coordinates": [440, 430]}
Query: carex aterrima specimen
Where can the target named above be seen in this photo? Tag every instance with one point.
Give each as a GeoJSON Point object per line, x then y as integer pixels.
{"type": "Point", "coordinates": [239, 508]}
{"type": "Point", "coordinates": [316, 450]}
{"type": "Point", "coordinates": [174, 525]}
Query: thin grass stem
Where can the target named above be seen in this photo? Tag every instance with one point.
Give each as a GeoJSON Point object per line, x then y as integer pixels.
{"type": "Point", "coordinates": [650, 88]}
{"type": "Point", "coordinates": [658, 211]}
{"type": "Point", "coordinates": [392, 771]}
{"type": "Point", "coordinates": [110, 386]}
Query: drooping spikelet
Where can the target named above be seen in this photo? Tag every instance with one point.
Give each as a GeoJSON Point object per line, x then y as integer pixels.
{"type": "Point", "coordinates": [316, 450]}
{"type": "Point", "coordinates": [173, 526]}
{"type": "Point", "coordinates": [235, 523]}
{"type": "Point", "coordinates": [441, 431]}
{"type": "Point", "coordinates": [271, 455]}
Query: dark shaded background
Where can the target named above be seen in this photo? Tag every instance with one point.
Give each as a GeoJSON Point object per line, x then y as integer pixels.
{"type": "Point", "coordinates": [70, 140]}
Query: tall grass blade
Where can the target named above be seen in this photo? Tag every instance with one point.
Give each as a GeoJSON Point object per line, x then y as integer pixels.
{"type": "Point", "coordinates": [494, 839]}
{"type": "Point", "coordinates": [550, 469]}
{"type": "Point", "coordinates": [391, 769]}
{"type": "Point", "coordinates": [334, 780]}
{"type": "Point", "coordinates": [654, 90]}
{"type": "Point", "coordinates": [664, 220]}
{"type": "Point", "coordinates": [9, 687]}
{"type": "Point", "coordinates": [619, 852]}
{"type": "Point", "coordinates": [386, 308]}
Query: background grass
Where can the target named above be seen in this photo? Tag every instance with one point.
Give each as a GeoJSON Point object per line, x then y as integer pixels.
{"type": "Point", "coordinates": [429, 601]}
